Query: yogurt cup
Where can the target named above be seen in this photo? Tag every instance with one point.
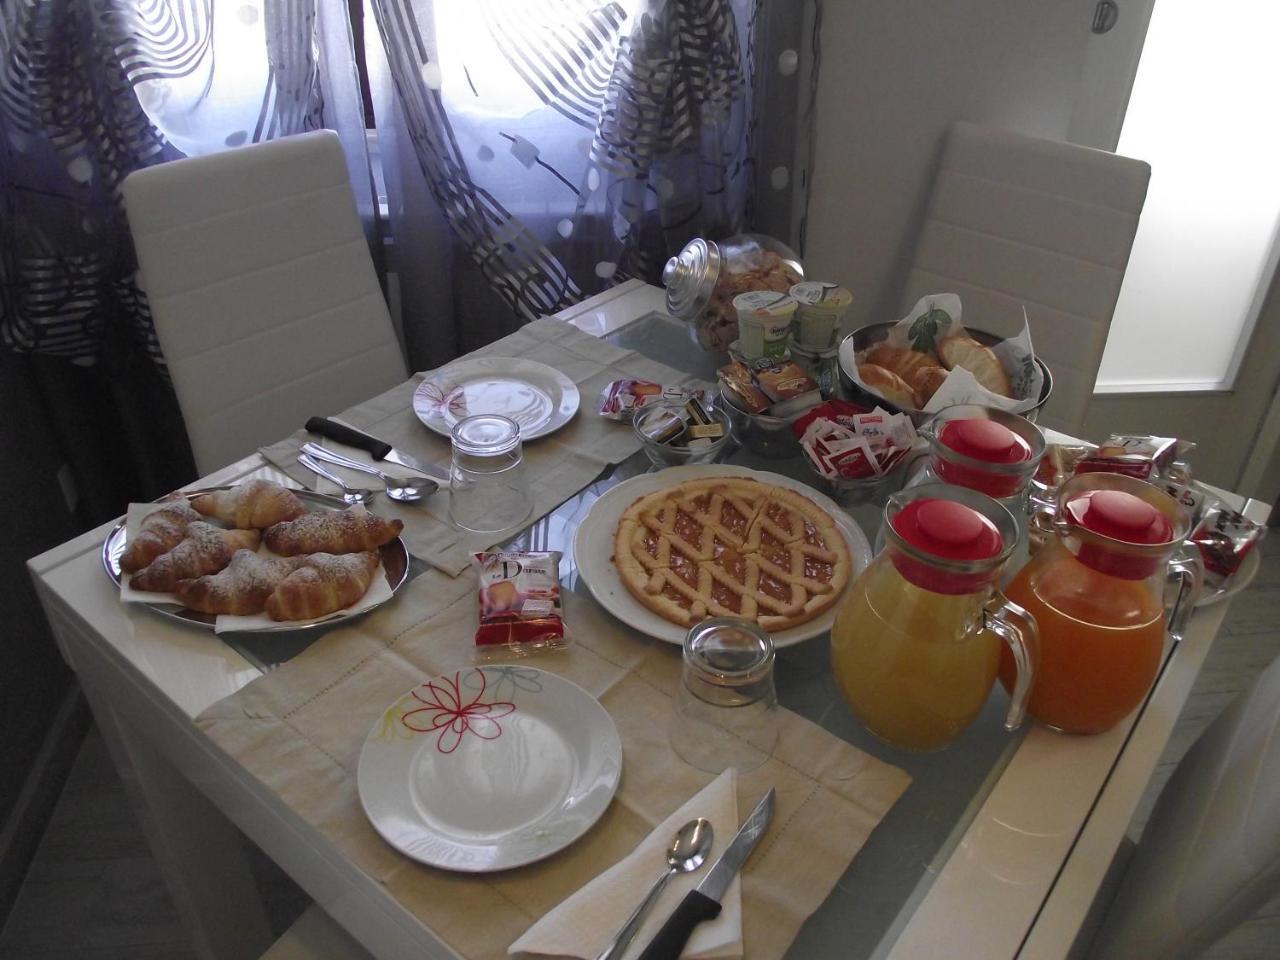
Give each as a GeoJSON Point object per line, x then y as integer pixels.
{"type": "Point", "coordinates": [764, 323]}
{"type": "Point", "coordinates": [820, 309]}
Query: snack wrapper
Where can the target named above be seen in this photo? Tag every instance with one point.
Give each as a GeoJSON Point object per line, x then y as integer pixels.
{"type": "Point", "coordinates": [1224, 538]}
{"type": "Point", "coordinates": [620, 399]}
{"type": "Point", "coordinates": [842, 441]}
{"type": "Point", "coordinates": [938, 316]}
{"type": "Point", "coordinates": [519, 603]}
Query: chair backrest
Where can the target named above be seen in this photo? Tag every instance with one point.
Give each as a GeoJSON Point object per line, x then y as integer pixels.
{"type": "Point", "coordinates": [1017, 221]}
{"type": "Point", "coordinates": [265, 300]}
{"type": "Point", "coordinates": [1210, 854]}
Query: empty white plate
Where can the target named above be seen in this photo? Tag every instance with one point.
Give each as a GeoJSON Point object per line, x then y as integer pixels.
{"type": "Point", "coordinates": [538, 397]}
{"type": "Point", "coordinates": [489, 768]}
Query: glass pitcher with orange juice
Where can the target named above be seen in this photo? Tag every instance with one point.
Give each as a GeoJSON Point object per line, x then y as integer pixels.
{"type": "Point", "coordinates": [916, 644]}
{"type": "Point", "coordinates": [1096, 590]}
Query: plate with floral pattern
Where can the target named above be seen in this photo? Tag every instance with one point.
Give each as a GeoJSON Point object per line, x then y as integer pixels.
{"type": "Point", "coordinates": [538, 397]}
{"type": "Point", "coordinates": [489, 768]}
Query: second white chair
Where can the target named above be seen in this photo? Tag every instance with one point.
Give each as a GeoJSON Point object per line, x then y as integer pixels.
{"type": "Point", "coordinates": [265, 300]}
{"type": "Point", "coordinates": [1018, 221]}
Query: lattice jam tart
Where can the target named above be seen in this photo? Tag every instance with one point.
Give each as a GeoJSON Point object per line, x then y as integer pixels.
{"type": "Point", "coordinates": [731, 547]}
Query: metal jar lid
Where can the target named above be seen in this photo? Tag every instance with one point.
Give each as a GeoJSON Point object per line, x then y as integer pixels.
{"type": "Point", "coordinates": [690, 278]}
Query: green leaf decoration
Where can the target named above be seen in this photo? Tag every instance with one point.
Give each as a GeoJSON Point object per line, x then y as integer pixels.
{"type": "Point", "coordinates": [925, 328]}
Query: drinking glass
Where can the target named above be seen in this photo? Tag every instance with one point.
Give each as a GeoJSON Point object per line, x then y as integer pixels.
{"type": "Point", "coordinates": [726, 710]}
{"type": "Point", "coordinates": [488, 489]}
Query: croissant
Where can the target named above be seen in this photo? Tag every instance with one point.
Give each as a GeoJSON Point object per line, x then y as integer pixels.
{"type": "Point", "coordinates": [241, 588]}
{"type": "Point", "coordinates": [330, 532]}
{"type": "Point", "coordinates": [925, 381]}
{"type": "Point", "coordinates": [323, 584]}
{"type": "Point", "coordinates": [978, 360]}
{"type": "Point", "coordinates": [905, 363]}
{"type": "Point", "coordinates": [889, 385]}
{"type": "Point", "coordinates": [206, 549]}
{"type": "Point", "coordinates": [252, 505]}
{"type": "Point", "coordinates": [160, 532]}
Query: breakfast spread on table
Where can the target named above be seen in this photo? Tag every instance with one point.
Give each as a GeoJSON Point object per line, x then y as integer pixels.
{"type": "Point", "coordinates": [731, 546]}
{"type": "Point", "coordinates": [273, 557]}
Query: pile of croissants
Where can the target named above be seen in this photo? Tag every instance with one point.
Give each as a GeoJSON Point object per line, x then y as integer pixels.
{"type": "Point", "coordinates": [909, 378]}
{"type": "Point", "coordinates": [318, 562]}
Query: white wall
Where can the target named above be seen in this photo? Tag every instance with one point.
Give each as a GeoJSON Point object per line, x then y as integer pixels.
{"type": "Point", "coordinates": [894, 75]}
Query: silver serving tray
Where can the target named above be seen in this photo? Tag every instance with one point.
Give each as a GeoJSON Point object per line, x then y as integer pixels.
{"type": "Point", "coordinates": [395, 563]}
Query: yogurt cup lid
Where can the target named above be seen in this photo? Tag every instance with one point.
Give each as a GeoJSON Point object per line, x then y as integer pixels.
{"type": "Point", "coordinates": [821, 293]}
{"type": "Point", "coordinates": [765, 303]}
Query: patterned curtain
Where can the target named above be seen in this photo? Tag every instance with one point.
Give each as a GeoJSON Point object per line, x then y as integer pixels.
{"type": "Point", "coordinates": [91, 90]}
{"type": "Point", "coordinates": [573, 144]}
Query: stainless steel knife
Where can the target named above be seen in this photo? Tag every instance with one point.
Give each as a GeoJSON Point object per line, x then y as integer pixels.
{"type": "Point", "coordinates": [378, 449]}
{"type": "Point", "coordinates": [703, 902]}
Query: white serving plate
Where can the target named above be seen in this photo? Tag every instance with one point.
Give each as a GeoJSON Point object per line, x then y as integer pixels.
{"type": "Point", "coordinates": [539, 398]}
{"type": "Point", "coordinates": [489, 768]}
{"type": "Point", "coordinates": [593, 548]}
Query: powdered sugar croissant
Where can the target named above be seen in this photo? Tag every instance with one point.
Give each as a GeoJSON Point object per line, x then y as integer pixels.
{"type": "Point", "coordinates": [242, 588]}
{"type": "Point", "coordinates": [160, 531]}
{"type": "Point", "coordinates": [350, 531]}
{"type": "Point", "coordinates": [252, 505]}
{"type": "Point", "coordinates": [206, 549]}
{"type": "Point", "coordinates": [323, 584]}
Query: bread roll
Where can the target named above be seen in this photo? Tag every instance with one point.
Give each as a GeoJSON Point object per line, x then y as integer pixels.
{"type": "Point", "coordinates": [925, 381]}
{"type": "Point", "coordinates": [978, 360]}
{"type": "Point", "coordinates": [903, 362]}
{"type": "Point", "coordinates": [889, 385]}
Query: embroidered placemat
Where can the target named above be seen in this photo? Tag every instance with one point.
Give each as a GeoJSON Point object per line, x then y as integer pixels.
{"type": "Point", "coordinates": [557, 466]}
{"type": "Point", "coordinates": [300, 730]}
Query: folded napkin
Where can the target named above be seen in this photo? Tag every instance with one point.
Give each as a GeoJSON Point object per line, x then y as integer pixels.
{"type": "Point", "coordinates": [585, 923]}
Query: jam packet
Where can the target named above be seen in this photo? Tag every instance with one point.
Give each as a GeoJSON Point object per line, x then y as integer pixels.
{"type": "Point", "coordinates": [519, 602]}
{"type": "Point", "coordinates": [1224, 538]}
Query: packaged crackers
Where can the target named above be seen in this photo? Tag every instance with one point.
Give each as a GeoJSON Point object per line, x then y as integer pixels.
{"type": "Point", "coordinates": [519, 602]}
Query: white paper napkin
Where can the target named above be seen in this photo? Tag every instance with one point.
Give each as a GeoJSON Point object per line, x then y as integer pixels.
{"type": "Point", "coordinates": [379, 590]}
{"type": "Point", "coordinates": [586, 922]}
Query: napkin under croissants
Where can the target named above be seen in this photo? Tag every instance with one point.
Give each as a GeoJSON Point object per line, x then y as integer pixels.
{"type": "Point", "coordinates": [586, 922]}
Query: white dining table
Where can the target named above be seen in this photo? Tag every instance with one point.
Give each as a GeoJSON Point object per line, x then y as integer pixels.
{"type": "Point", "coordinates": [1015, 877]}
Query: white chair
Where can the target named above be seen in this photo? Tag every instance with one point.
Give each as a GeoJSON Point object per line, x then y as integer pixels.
{"type": "Point", "coordinates": [1013, 221]}
{"type": "Point", "coordinates": [314, 936]}
{"type": "Point", "coordinates": [1210, 854]}
{"type": "Point", "coordinates": [265, 300]}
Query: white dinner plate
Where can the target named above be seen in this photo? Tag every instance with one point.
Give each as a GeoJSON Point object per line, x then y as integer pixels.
{"type": "Point", "coordinates": [1249, 567]}
{"type": "Point", "coordinates": [593, 548]}
{"type": "Point", "coordinates": [539, 398]}
{"type": "Point", "coordinates": [489, 768]}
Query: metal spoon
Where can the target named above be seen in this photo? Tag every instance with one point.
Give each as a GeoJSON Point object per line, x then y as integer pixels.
{"type": "Point", "coordinates": [688, 850]}
{"type": "Point", "coordinates": [348, 494]}
{"type": "Point", "coordinates": [408, 490]}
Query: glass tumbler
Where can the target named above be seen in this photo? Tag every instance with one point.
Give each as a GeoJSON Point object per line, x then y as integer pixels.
{"type": "Point", "coordinates": [726, 710]}
{"type": "Point", "coordinates": [488, 490]}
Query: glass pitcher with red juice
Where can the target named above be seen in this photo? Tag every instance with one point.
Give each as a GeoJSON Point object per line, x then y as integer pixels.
{"type": "Point", "coordinates": [916, 643]}
{"type": "Point", "coordinates": [1097, 592]}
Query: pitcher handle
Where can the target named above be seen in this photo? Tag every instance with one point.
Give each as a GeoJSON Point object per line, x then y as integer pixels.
{"type": "Point", "coordinates": [1023, 640]}
{"type": "Point", "coordinates": [1188, 569]}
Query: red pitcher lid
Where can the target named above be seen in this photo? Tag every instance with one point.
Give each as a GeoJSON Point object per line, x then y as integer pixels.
{"type": "Point", "coordinates": [985, 440]}
{"type": "Point", "coordinates": [1121, 516]}
{"type": "Point", "coordinates": [945, 530]}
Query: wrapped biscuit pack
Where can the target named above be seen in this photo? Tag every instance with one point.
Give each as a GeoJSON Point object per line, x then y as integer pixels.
{"type": "Point", "coordinates": [519, 602]}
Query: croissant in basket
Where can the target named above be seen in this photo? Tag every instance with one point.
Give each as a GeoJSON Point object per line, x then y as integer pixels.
{"type": "Point", "coordinates": [252, 505]}
{"type": "Point", "coordinates": [206, 549]}
{"type": "Point", "coordinates": [349, 531]}
{"type": "Point", "coordinates": [322, 584]}
{"type": "Point", "coordinates": [979, 360]}
{"type": "Point", "coordinates": [160, 531]}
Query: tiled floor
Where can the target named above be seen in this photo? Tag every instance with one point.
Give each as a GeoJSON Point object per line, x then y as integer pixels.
{"type": "Point", "coordinates": [94, 893]}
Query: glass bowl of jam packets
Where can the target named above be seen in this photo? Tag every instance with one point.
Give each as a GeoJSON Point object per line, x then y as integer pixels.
{"type": "Point", "coordinates": [674, 434]}
{"type": "Point", "coordinates": [861, 454]}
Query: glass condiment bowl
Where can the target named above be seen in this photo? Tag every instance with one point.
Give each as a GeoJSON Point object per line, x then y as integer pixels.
{"type": "Point", "coordinates": [650, 417]}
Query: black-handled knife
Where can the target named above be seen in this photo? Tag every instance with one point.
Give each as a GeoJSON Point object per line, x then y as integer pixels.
{"type": "Point", "coordinates": [378, 449]}
{"type": "Point", "coordinates": [703, 902]}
